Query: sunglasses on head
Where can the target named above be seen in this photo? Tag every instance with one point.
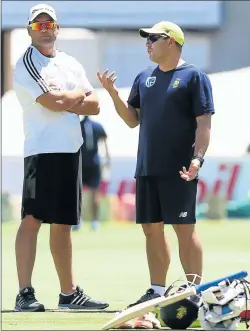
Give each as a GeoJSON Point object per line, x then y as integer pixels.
{"type": "Point", "coordinates": [38, 26]}
{"type": "Point", "coordinates": [153, 38]}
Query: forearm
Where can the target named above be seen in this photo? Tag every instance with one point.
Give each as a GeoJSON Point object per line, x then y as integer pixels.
{"type": "Point", "coordinates": [60, 100]}
{"type": "Point", "coordinates": [88, 106]}
{"type": "Point", "coordinates": [202, 139]}
{"type": "Point", "coordinates": [125, 111]}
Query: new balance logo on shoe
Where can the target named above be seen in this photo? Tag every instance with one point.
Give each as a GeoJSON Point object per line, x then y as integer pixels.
{"type": "Point", "coordinates": [183, 214]}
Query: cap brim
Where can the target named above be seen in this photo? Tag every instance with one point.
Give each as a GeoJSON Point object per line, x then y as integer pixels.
{"type": "Point", "coordinates": [144, 33]}
{"type": "Point", "coordinates": [42, 12]}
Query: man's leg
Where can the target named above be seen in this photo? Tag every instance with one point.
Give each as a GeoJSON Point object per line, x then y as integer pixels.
{"type": "Point", "coordinates": [190, 249]}
{"type": "Point", "coordinates": [158, 253]}
{"type": "Point", "coordinates": [148, 214]}
{"type": "Point", "coordinates": [72, 296]}
{"type": "Point", "coordinates": [61, 250]}
{"type": "Point", "coordinates": [178, 199]}
{"type": "Point", "coordinates": [25, 247]}
{"type": "Point", "coordinates": [67, 189]}
{"type": "Point", "coordinates": [26, 241]}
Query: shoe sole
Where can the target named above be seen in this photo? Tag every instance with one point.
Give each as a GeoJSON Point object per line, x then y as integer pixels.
{"type": "Point", "coordinates": [40, 309]}
{"type": "Point", "coordinates": [75, 307]}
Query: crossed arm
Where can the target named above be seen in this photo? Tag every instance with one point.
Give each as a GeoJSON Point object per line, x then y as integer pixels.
{"type": "Point", "coordinates": [73, 101]}
{"type": "Point", "coordinates": [87, 106]}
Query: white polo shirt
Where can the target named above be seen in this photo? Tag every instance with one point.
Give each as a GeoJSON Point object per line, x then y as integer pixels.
{"type": "Point", "coordinates": [48, 131]}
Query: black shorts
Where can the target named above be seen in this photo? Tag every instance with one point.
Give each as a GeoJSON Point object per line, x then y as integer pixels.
{"type": "Point", "coordinates": [52, 187]}
{"type": "Point", "coordinates": [91, 176]}
{"type": "Point", "coordinates": [171, 200]}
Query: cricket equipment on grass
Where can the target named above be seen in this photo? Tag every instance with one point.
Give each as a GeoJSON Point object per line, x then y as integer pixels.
{"type": "Point", "coordinates": [180, 315]}
{"type": "Point", "coordinates": [27, 302]}
{"type": "Point", "coordinates": [223, 305]}
{"type": "Point", "coordinates": [126, 325]}
{"type": "Point", "coordinates": [151, 305]}
{"type": "Point", "coordinates": [245, 317]}
{"type": "Point", "coordinates": [147, 321]}
{"type": "Point", "coordinates": [145, 307]}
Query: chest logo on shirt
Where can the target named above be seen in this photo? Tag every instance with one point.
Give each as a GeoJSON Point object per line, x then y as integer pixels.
{"type": "Point", "coordinates": [150, 81]}
{"type": "Point", "coordinates": [176, 82]}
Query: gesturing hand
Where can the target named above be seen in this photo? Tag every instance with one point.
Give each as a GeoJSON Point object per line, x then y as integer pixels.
{"type": "Point", "coordinates": [192, 171]}
{"type": "Point", "coordinates": [107, 80]}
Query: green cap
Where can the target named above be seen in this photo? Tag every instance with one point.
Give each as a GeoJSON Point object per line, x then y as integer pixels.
{"type": "Point", "coordinates": [166, 28]}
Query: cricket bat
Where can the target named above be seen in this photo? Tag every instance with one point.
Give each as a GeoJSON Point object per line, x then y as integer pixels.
{"type": "Point", "coordinates": [150, 305]}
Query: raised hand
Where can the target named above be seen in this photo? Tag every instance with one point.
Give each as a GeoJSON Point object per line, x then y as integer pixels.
{"type": "Point", "coordinates": [107, 80]}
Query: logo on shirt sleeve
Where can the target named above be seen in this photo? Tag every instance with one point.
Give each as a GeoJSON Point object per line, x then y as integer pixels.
{"type": "Point", "coordinates": [150, 81]}
{"type": "Point", "coordinates": [176, 82]}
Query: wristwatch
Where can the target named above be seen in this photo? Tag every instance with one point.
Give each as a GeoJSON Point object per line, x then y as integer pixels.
{"type": "Point", "coordinates": [200, 158]}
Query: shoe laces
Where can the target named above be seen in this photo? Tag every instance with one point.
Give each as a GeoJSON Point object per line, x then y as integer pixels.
{"type": "Point", "coordinates": [28, 293]}
{"type": "Point", "coordinates": [148, 296]}
{"type": "Point", "coordinates": [81, 293]}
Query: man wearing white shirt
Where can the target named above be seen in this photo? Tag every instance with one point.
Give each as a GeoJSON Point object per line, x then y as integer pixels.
{"type": "Point", "coordinates": [53, 91]}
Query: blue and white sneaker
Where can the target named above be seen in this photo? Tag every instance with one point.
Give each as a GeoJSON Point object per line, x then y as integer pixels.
{"type": "Point", "coordinates": [79, 300]}
{"type": "Point", "coordinates": [149, 295]}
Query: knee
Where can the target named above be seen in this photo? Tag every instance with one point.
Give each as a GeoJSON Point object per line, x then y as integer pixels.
{"type": "Point", "coordinates": [153, 229]}
{"type": "Point", "coordinates": [60, 228]}
{"type": "Point", "coordinates": [30, 224]}
{"type": "Point", "coordinates": [184, 232]}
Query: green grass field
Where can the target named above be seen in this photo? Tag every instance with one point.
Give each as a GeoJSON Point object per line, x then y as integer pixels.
{"type": "Point", "coordinates": [111, 265]}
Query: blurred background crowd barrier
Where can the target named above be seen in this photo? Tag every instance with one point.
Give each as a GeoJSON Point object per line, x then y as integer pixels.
{"type": "Point", "coordinates": [100, 35]}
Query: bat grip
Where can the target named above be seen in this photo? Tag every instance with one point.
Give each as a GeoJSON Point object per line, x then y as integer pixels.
{"type": "Point", "coordinates": [230, 278]}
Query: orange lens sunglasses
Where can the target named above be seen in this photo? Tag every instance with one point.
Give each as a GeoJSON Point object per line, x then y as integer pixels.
{"type": "Point", "coordinates": [38, 26]}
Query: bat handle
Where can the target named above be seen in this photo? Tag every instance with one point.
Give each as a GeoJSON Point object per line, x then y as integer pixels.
{"type": "Point", "coordinates": [230, 278]}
